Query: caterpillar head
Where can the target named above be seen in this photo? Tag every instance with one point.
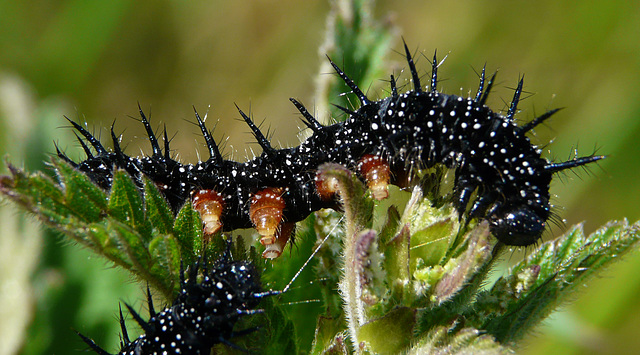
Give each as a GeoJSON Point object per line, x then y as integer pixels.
{"type": "Point", "coordinates": [520, 226]}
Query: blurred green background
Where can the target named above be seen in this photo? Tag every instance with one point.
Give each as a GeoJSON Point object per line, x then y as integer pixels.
{"type": "Point", "coordinates": [95, 60]}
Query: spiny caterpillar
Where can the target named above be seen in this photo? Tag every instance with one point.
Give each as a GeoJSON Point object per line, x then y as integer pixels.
{"type": "Point", "coordinates": [499, 174]}
{"type": "Point", "coordinates": [203, 314]}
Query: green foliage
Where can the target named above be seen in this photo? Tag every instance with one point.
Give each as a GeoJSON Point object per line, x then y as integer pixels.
{"type": "Point", "coordinates": [134, 231]}
{"type": "Point", "coordinates": [415, 283]}
{"type": "Point", "coordinates": [549, 276]}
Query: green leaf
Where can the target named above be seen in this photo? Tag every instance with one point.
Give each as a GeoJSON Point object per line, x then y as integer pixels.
{"type": "Point", "coordinates": [158, 210]}
{"type": "Point", "coordinates": [45, 199]}
{"type": "Point", "coordinates": [188, 232]}
{"type": "Point", "coordinates": [37, 193]}
{"type": "Point", "coordinates": [328, 334]}
{"type": "Point", "coordinates": [117, 227]}
{"type": "Point", "coordinates": [550, 275]}
{"type": "Point", "coordinates": [458, 272]}
{"type": "Point", "coordinates": [397, 327]}
{"type": "Point", "coordinates": [165, 251]}
{"type": "Point", "coordinates": [126, 205]}
{"type": "Point", "coordinates": [390, 228]}
{"type": "Point", "coordinates": [442, 340]}
{"type": "Point", "coordinates": [102, 238]}
{"type": "Point", "coordinates": [132, 245]}
{"type": "Point", "coordinates": [396, 264]}
{"type": "Point", "coordinates": [282, 335]}
{"type": "Point", "coordinates": [429, 245]}
{"type": "Point", "coordinates": [82, 196]}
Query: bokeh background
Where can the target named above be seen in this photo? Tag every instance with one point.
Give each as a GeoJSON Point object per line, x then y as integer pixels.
{"type": "Point", "coordinates": [94, 61]}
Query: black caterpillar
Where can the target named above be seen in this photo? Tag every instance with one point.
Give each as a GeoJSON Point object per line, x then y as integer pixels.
{"type": "Point", "coordinates": [203, 314]}
{"type": "Point", "coordinates": [384, 140]}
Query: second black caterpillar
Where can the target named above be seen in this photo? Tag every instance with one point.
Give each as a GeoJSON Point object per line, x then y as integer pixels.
{"type": "Point", "coordinates": [203, 314]}
{"type": "Point", "coordinates": [382, 140]}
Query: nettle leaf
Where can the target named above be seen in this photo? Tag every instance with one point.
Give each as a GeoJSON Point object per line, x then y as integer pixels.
{"type": "Point", "coordinates": [329, 337]}
{"type": "Point", "coordinates": [443, 340]}
{"type": "Point", "coordinates": [158, 211]}
{"type": "Point", "coordinates": [396, 265]}
{"type": "Point", "coordinates": [133, 230]}
{"type": "Point", "coordinates": [282, 336]}
{"type": "Point", "coordinates": [548, 277]}
{"type": "Point", "coordinates": [131, 244]}
{"type": "Point", "coordinates": [126, 205]}
{"type": "Point", "coordinates": [457, 273]}
{"type": "Point", "coordinates": [37, 193]}
{"type": "Point", "coordinates": [81, 194]}
{"type": "Point", "coordinates": [187, 229]}
{"type": "Point", "coordinates": [165, 253]}
{"type": "Point", "coordinates": [397, 327]}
